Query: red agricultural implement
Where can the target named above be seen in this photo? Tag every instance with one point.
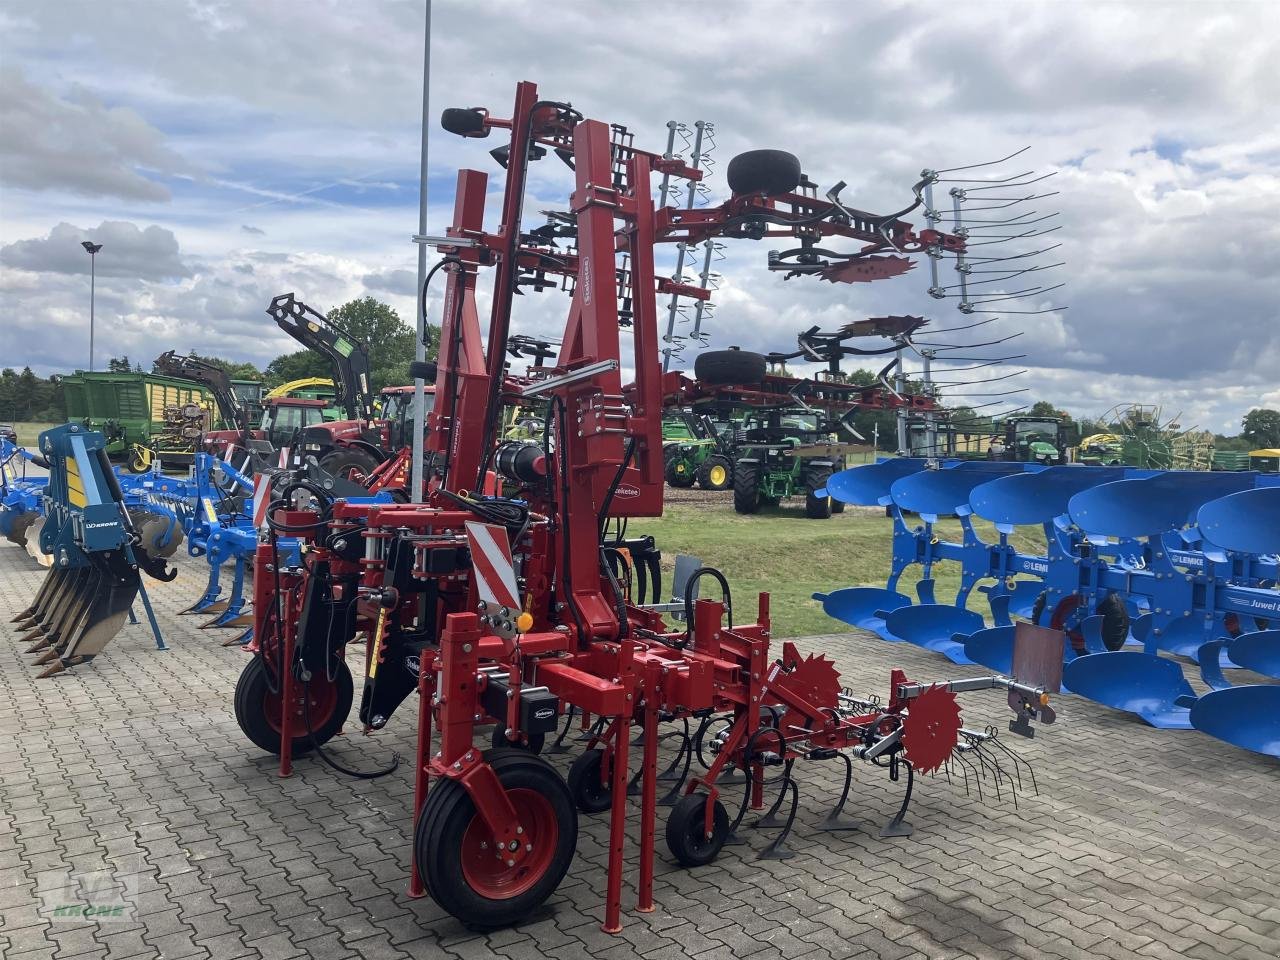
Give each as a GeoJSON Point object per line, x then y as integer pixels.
{"type": "Point", "coordinates": [508, 612]}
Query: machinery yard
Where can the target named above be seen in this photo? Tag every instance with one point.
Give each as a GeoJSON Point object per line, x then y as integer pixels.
{"type": "Point", "coordinates": [1164, 849]}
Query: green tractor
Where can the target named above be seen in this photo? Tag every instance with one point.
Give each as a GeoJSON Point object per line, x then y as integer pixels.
{"type": "Point", "coordinates": [787, 452]}
{"type": "Point", "coordinates": [698, 450]}
{"type": "Point", "coordinates": [1045, 440]}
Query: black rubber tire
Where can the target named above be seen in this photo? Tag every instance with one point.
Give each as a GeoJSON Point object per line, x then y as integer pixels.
{"type": "Point", "coordinates": [344, 460]}
{"type": "Point", "coordinates": [686, 835]}
{"type": "Point", "coordinates": [815, 507]}
{"type": "Point", "coordinates": [729, 368]}
{"type": "Point", "coordinates": [1037, 609]}
{"type": "Point", "coordinates": [837, 506]}
{"type": "Point", "coordinates": [704, 473]}
{"type": "Point", "coordinates": [746, 490]}
{"type": "Point", "coordinates": [770, 172]}
{"type": "Point", "coordinates": [464, 121]}
{"type": "Point", "coordinates": [135, 464]}
{"type": "Point", "coordinates": [681, 481]}
{"type": "Point", "coordinates": [585, 787]}
{"type": "Point", "coordinates": [444, 819]}
{"type": "Point", "coordinates": [529, 742]}
{"type": "Point", "coordinates": [251, 692]}
{"type": "Point", "coordinates": [1115, 622]}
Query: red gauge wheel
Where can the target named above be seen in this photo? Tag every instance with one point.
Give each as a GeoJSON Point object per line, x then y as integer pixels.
{"type": "Point", "coordinates": [459, 863]}
{"type": "Point", "coordinates": [258, 707]}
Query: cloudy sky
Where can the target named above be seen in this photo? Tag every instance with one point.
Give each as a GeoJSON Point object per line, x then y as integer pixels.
{"type": "Point", "coordinates": [224, 152]}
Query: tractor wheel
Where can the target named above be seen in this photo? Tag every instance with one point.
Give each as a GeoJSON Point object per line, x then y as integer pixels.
{"type": "Point", "coordinates": [686, 831]}
{"type": "Point", "coordinates": [716, 473]}
{"type": "Point", "coordinates": [455, 853]}
{"type": "Point", "coordinates": [770, 172]}
{"type": "Point", "coordinates": [815, 507]}
{"type": "Point", "coordinates": [729, 368]}
{"type": "Point", "coordinates": [258, 711]}
{"type": "Point", "coordinates": [531, 742]}
{"type": "Point", "coordinates": [679, 475]}
{"type": "Point", "coordinates": [138, 463]}
{"type": "Point", "coordinates": [589, 793]}
{"type": "Point", "coordinates": [837, 506]}
{"type": "Point", "coordinates": [349, 463]}
{"type": "Point", "coordinates": [668, 451]}
{"type": "Point", "coordinates": [746, 489]}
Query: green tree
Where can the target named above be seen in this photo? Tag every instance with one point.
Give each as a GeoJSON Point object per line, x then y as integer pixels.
{"type": "Point", "coordinates": [389, 340]}
{"type": "Point", "coordinates": [120, 365]}
{"type": "Point", "coordinates": [1262, 428]}
{"type": "Point", "coordinates": [236, 371]}
{"type": "Point", "coordinates": [1043, 408]}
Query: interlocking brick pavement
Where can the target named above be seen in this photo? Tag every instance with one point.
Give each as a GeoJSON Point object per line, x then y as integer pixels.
{"type": "Point", "coordinates": [1141, 842]}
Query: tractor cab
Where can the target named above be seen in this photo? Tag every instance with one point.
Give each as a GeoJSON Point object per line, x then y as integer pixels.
{"type": "Point", "coordinates": [395, 412]}
{"type": "Point", "coordinates": [1037, 440]}
{"type": "Point", "coordinates": [285, 419]}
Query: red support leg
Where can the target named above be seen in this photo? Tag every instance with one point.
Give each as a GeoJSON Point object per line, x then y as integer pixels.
{"type": "Point", "coordinates": [617, 826]}
{"type": "Point", "coordinates": [426, 692]}
{"type": "Point", "coordinates": [287, 705]}
{"type": "Point", "coordinates": [648, 803]}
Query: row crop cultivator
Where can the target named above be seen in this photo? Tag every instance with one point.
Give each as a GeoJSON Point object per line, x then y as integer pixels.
{"type": "Point", "coordinates": [1182, 563]}
{"type": "Point", "coordinates": [504, 611]}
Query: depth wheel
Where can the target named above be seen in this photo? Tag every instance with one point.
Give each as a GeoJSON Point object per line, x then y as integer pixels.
{"type": "Point", "coordinates": [258, 711]}
{"type": "Point", "coordinates": [455, 853]}
{"type": "Point", "coordinates": [686, 831]}
{"type": "Point", "coordinates": [531, 742]}
{"type": "Point", "coordinates": [589, 793]}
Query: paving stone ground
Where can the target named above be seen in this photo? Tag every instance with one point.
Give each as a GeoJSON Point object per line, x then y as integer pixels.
{"type": "Point", "coordinates": [1141, 842]}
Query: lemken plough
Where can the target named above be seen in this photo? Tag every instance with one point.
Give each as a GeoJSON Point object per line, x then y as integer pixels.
{"type": "Point", "coordinates": [94, 577]}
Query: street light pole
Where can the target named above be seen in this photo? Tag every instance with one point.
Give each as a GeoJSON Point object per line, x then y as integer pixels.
{"type": "Point", "coordinates": [93, 249]}
{"type": "Point", "coordinates": [417, 479]}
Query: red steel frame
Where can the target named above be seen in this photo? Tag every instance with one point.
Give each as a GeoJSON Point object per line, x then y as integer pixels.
{"type": "Point", "coordinates": [622, 670]}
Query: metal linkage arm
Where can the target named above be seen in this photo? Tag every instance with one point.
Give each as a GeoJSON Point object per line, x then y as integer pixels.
{"type": "Point", "coordinates": [909, 691]}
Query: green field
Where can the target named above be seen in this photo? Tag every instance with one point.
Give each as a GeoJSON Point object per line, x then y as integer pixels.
{"type": "Point", "coordinates": [791, 557]}
{"type": "Point", "coordinates": [28, 433]}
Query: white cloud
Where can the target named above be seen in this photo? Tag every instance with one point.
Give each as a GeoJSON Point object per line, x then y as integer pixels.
{"type": "Point", "coordinates": [1157, 117]}
{"type": "Point", "coordinates": [77, 144]}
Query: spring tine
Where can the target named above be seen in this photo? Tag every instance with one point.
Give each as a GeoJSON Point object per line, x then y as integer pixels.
{"type": "Point", "coordinates": [1018, 762]}
{"type": "Point", "coordinates": [959, 754]}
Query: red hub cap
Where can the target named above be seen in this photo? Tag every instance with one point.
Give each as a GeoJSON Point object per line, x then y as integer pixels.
{"type": "Point", "coordinates": [322, 695]}
{"type": "Point", "coordinates": [485, 866]}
